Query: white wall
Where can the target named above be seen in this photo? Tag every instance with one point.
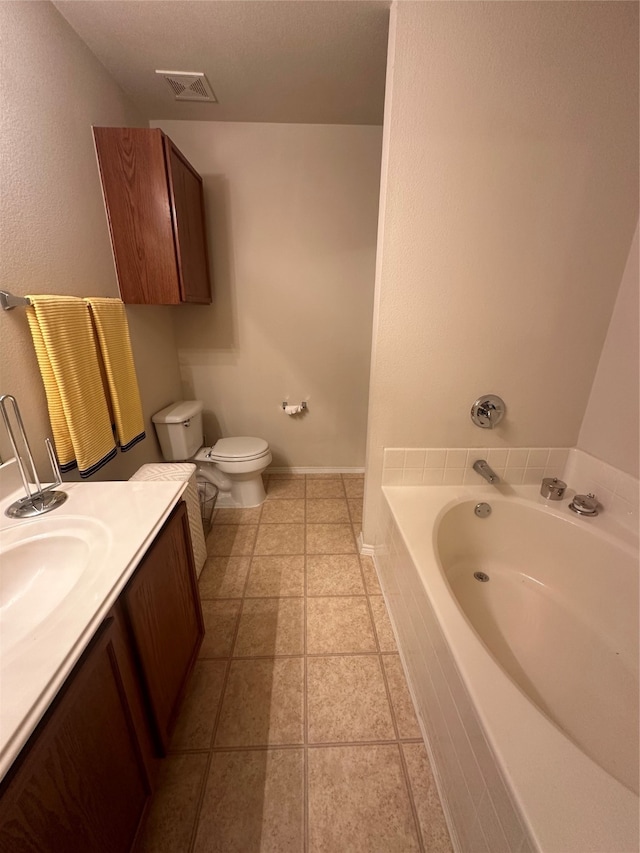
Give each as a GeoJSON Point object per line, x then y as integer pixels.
{"type": "Point", "coordinates": [292, 213]}
{"type": "Point", "coordinates": [508, 208]}
{"type": "Point", "coordinates": [611, 426]}
{"type": "Point", "coordinates": [54, 236]}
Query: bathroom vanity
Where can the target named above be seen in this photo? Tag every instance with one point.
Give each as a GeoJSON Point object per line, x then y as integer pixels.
{"type": "Point", "coordinates": [91, 692]}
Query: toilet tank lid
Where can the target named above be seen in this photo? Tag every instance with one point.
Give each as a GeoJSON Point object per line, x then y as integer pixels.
{"type": "Point", "coordinates": [178, 412]}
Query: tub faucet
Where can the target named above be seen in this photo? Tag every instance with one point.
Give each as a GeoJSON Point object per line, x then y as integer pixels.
{"type": "Point", "coordinates": [485, 471]}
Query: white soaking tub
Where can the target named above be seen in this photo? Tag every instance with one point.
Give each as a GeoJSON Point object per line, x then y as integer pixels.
{"type": "Point", "coordinates": [526, 683]}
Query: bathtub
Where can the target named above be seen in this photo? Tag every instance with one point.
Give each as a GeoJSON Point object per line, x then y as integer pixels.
{"type": "Point", "coordinates": [526, 683]}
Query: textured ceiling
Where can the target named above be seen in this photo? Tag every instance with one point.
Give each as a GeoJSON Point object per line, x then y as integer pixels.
{"type": "Point", "coordinates": [307, 61]}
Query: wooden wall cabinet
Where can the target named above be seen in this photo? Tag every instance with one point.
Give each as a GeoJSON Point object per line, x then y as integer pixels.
{"type": "Point", "coordinates": [155, 208]}
{"type": "Point", "coordinates": [82, 782]}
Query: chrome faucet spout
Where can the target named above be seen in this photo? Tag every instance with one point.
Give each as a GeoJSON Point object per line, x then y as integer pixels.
{"type": "Point", "coordinates": [482, 468]}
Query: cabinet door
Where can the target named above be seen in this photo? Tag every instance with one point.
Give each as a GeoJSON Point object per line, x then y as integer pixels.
{"type": "Point", "coordinates": [162, 604]}
{"type": "Point", "coordinates": [136, 195]}
{"type": "Point", "coordinates": [187, 198]}
{"type": "Point", "coordinates": [82, 785]}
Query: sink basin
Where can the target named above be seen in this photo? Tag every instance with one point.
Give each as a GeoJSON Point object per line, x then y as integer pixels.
{"type": "Point", "coordinates": [41, 562]}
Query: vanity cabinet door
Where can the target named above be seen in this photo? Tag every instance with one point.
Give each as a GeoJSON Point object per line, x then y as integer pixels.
{"type": "Point", "coordinates": [162, 604]}
{"type": "Point", "coordinates": [155, 209]}
{"type": "Point", "coordinates": [82, 783]}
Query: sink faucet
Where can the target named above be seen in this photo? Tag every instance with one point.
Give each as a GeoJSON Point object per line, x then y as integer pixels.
{"type": "Point", "coordinates": [485, 471]}
{"type": "Point", "coordinates": [44, 499]}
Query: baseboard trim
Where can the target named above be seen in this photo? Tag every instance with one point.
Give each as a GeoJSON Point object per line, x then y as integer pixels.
{"type": "Point", "coordinates": [314, 471]}
{"type": "Point", "coordinates": [364, 549]}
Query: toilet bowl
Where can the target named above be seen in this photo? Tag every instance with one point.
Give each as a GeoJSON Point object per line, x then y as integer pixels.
{"type": "Point", "coordinates": [234, 465]}
{"type": "Point", "coordinates": [242, 460]}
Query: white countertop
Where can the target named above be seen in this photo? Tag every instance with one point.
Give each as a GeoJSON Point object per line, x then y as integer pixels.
{"type": "Point", "coordinates": [123, 518]}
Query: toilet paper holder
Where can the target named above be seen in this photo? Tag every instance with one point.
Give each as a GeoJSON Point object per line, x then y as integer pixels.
{"type": "Point", "coordinates": [300, 407]}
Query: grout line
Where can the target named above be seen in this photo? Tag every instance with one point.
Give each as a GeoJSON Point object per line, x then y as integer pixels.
{"type": "Point", "coordinates": [412, 804]}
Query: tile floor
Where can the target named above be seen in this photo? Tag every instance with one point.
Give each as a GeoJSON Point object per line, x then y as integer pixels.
{"type": "Point", "coordinates": [297, 732]}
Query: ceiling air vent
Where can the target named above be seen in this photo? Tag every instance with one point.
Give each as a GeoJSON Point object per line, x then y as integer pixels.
{"type": "Point", "coordinates": [189, 86]}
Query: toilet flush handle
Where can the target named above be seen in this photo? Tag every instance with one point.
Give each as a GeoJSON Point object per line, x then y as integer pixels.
{"type": "Point", "coordinates": [186, 423]}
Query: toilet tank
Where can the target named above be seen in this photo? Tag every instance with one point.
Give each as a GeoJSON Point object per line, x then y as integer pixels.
{"type": "Point", "coordinates": [179, 429]}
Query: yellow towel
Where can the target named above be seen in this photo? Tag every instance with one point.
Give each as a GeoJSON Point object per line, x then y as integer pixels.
{"type": "Point", "coordinates": [113, 337]}
{"type": "Point", "coordinates": [66, 351]}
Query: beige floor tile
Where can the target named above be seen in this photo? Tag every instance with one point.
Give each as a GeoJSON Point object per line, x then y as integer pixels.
{"type": "Point", "coordinates": [336, 625]}
{"type": "Point", "coordinates": [359, 476]}
{"type": "Point", "coordinates": [330, 539]}
{"type": "Point", "coordinates": [354, 488]}
{"type": "Point", "coordinates": [382, 624]}
{"type": "Point", "coordinates": [197, 716]}
{"type": "Point", "coordinates": [347, 700]}
{"type": "Point", "coordinates": [220, 620]}
{"type": "Point", "coordinates": [284, 511]}
{"type": "Point", "coordinates": [224, 577]}
{"type": "Point", "coordinates": [270, 576]}
{"type": "Point", "coordinates": [403, 709]}
{"type": "Point", "coordinates": [355, 510]}
{"type": "Point", "coordinates": [289, 489]}
{"type": "Point", "coordinates": [270, 626]}
{"type": "Point", "coordinates": [323, 510]}
{"type": "Point", "coordinates": [358, 801]}
{"type": "Point", "coordinates": [231, 540]}
{"type": "Point", "coordinates": [277, 539]}
{"type": "Point", "coordinates": [233, 515]}
{"type": "Point", "coordinates": [253, 803]}
{"type": "Point", "coordinates": [329, 475]}
{"type": "Point", "coordinates": [334, 574]}
{"type": "Point", "coordinates": [370, 576]}
{"type": "Point", "coordinates": [172, 813]}
{"type": "Point", "coordinates": [324, 488]}
{"type": "Point", "coordinates": [263, 703]}
{"type": "Point", "coordinates": [435, 835]}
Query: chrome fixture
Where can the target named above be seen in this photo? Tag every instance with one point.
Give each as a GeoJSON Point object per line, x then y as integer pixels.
{"type": "Point", "coordinates": [482, 510]}
{"type": "Point", "coordinates": [585, 505]}
{"type": "Point", "coordinates": [43, 499]}
{"type": "Point", "coordinates": [552, 489]}
{"type": "Point", "coordinates": [485, 471]}
{"type": "Point", "coordinates": [488, 411]}
{"type": "Point", "coordinates": [300, 406]}
{"type": "Point", "coordinates": [8, 300]}
{"type": "Point", "coordinates": [481, 576]}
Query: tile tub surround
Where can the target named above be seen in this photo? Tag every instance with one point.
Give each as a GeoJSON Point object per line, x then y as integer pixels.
{"type": "Point", "coordinates": [453, 466]}
{"type": "Point", "coordinates": [298, 732]}
{"type": "Point", "coordinates": [618, 492]}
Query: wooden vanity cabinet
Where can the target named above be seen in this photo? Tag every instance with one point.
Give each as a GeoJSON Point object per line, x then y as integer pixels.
{"type": "Point", "coordinates": [82, 782]}
{"type": "Point", "coordinates": [155, 208]}
{"type": "Point", "coordinates": [162, 605]}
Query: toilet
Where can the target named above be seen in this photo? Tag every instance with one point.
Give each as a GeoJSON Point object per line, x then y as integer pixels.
{"type": "Point", "coordinates": [233, 465]}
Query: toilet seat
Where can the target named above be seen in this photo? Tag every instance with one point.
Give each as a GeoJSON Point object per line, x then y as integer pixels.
{"type": "Point", "coordinates": [237, 449]}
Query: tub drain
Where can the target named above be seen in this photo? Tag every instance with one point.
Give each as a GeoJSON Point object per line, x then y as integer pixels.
{"type": "Point", "coordinates": [480, 576]}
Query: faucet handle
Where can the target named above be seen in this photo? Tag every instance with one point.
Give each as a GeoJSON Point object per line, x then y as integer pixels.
{"type": "Point", "coordinates": [488, 411]}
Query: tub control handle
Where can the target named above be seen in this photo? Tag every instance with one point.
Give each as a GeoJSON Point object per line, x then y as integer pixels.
{"type": "Point", "coordinates": [552, 489]}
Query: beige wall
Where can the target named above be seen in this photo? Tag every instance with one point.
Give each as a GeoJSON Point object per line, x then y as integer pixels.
{"type": "Point", "coordinates": [509, 204]}
{"type": "Point", "coordinates": [292, 212]}
{"type": "Point", "coordinates": [610, 429]}
{"type": "Point", "coordinates": [54, 236]}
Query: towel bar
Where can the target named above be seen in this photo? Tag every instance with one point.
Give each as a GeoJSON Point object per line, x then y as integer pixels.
{"type": "Point", "coordinates": [9, 301]}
